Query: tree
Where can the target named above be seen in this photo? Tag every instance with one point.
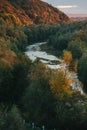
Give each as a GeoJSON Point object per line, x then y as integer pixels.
{"type": "Point", "coordinates": [14, 79]}
{"type": "Point", "coordinates": [82, 70]}
{"type": "Point", "coordinates": [76, 49]}
{"type": "Point", "coordinates": [13, 120]}
{"type": "Point", "coordinates": [20, 80]}
{"type": "Point", "coordinates": [60, 84]}
{"type": "Point", "coordinates": [38, 100]}
{"type": "Point", "coordinates": [67, 57]}
{"type": "Point", "coordinates": [5, 81]}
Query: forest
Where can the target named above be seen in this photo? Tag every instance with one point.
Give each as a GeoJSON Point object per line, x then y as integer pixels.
{"type": "Point", "coordinates": [30, 91]}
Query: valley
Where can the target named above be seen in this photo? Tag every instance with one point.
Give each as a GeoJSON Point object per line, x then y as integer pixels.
{"type": "Point", "coordinates": [34, 52]}
{"type": "Point", "coordinates": [43, 67]}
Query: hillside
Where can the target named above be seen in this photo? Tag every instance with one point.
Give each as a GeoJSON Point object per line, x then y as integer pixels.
{"type": "Point", "coordinates": [13, 14]}
{"type": "Point", "coordinates": [29, 11]}
{"type": "Point", "coordinates": [40, 12]}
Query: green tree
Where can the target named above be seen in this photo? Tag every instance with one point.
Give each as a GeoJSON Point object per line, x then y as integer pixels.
{"type": "Point", "coordinates": [82, 70]}
{"type": "Point", "coordinates": [13, 120]}
{"type": "Point", "coordinates": [5, 80]}
{"type": "Point", "coordinates": [38, 100]}
{"type": "Point", "coordinates": [20, 79]}
{"type": "Point", "coordinates": [14, 79]}
{"type": "Point", "coordinates": [76, 49]}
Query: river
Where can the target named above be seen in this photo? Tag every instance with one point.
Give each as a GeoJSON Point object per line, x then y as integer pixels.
{"type": "Point", "coordinates": [34, 51]}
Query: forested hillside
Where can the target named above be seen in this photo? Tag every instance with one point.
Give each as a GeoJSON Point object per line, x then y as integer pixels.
{"type": "Point", "coordinates": [19, 12]}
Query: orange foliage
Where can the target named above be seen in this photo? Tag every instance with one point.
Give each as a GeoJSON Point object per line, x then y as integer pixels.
{"type": "Point", "coordinates": [27, 11]}
{"type": "Point", "coordinates": [67, 57]}
{"type": "Point", "coordinates": [60, 83]}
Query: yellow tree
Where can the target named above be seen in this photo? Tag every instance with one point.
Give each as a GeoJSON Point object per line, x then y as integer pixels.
{"type": "Point", "coordinates": [60, 84]}
{"type": "Point", "coordinates": [67, 57]}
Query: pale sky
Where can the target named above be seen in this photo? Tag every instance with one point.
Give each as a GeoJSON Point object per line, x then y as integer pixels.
{"type": "Point", "coordinates": [70, 6]}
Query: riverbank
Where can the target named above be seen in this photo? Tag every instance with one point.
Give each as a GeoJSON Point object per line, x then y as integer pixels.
{"type": "Point", "coordinates": [35, 51]}
{"type": "Point", "coordinates": [50, 50]}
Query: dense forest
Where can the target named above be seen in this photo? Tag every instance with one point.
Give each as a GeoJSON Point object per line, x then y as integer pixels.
{"type": "Point", "coordinates": [31, 92]}
{"type": "Point", "coordinates": [25, 12]}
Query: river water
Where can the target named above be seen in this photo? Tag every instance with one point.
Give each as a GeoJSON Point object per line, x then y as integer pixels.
{"type": "Point", "coordinates": [34, 51]}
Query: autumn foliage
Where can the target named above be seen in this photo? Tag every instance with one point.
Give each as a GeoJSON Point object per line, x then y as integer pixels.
{"type": "Point", "coordinates": [60, 84]}
{"type": "Point", "coordinates": [21, 13]}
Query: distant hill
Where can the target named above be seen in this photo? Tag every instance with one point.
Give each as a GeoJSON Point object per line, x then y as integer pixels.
{"type": "Point", "coordinates": [78, 17]}
{"type": "Point", "coordinates": [24, 12]}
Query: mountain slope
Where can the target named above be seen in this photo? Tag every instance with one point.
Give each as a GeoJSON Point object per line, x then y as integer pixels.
{"type": "Point", "coordinates": [19, 12]}
{"type": "Point", "coordinates": [13, 14]}
{"type": "Point", "coordinates": [43, 12]}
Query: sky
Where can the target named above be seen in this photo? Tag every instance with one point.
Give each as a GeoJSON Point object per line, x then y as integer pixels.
{"type": "Point", "coordinates": [70, 6]}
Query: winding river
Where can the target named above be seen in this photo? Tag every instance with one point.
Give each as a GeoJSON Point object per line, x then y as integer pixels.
{"type": "Point", "coordinates": [34, 51]}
